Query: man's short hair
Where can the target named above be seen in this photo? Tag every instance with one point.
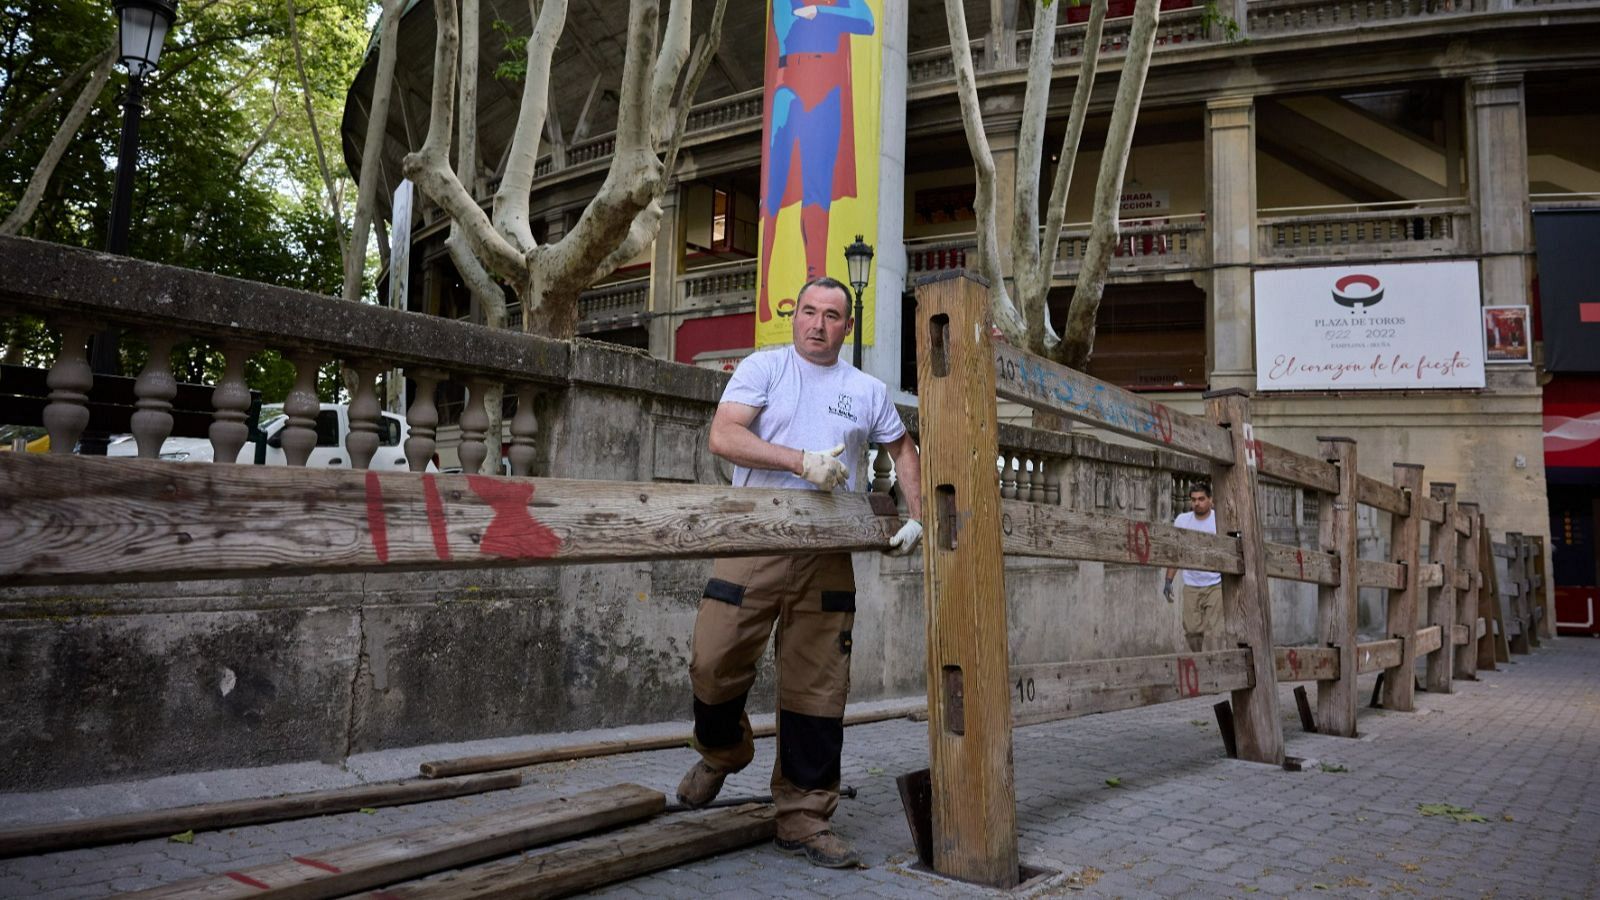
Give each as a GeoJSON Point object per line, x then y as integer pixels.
{"type": "Point", "coordinates": [1202, 487]}
{"type": "Point", "coordinates": [823, 281]}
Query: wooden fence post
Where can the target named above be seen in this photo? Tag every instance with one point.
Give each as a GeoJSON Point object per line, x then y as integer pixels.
{"type": "Point", "coordinates": [1466, 661]}
{"type": "Point", "coordinates": [1246, 603]}
{"type": "Point", "coordinates": [1489, 602]}
{"type": "Point", "coordinates": [1405, 544]}
{"type": "Point", "coordinates": [1442, 599]}
{"type": "Point", "coordinates": [1541, 595]}
{"type": "Point", "coordinates": [1517, 600]}
{"type": "Point", "coordinates": [1525, 589]}
{"type": "Point", "coordinates": [969, 690]}
{"type": "Point", "coordinates": [1337, 606]}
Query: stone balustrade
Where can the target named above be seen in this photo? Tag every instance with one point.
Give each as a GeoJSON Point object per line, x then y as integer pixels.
{"type": "Point", "coordinates": [1406, 233]}
{"type": "Point", "coordinates": [1269, 18]}
{"type": "Point", "coordinates": [1178, 243]}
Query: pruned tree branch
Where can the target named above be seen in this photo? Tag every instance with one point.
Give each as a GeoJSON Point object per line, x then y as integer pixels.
{"type": "Point", "coordinates": [43, 103]}
{"type": "Point", "coordinates": [58, 146]}
{"type": "Point", "coordinates": [372, 148]}
{"type": "Point", "coordinates": [345, 247]}
{"type": "Point", "coordinates": [516, 185]}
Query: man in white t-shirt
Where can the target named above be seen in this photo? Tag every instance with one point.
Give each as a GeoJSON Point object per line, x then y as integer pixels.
{"type": "Point", "coordinates": [790, 418]}
{"type": "Point", "coordinates": [1202, 591]}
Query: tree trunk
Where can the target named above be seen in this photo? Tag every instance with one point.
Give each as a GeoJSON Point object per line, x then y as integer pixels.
{"type": "Point", "coordinates": [58, 147]}
{"type": "Point", "coordinates": [345, 246]}
{"type": "Point", "coordinates": [355, 263]}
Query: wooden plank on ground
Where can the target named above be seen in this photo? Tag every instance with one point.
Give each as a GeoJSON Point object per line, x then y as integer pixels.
{"type": "Point", "coordinates": [1298, 564]}
{"type": "Point", "coordinates": [1337, 607]}
{"type": "Point", "coordinates": [1047, 692]}
{"type": "Point", "coordinates": [1044, 385]}
{"type": "Point", "coordinates": [1297, 468]}
{"type": "Point", "coordinates": [1306, 663]}
{"type": "Point", "coordinates": [1428, 639]}
{"type": "Point", "coordinates": [399, 857]}
{"type": "Point", "coordinates": [491, 762]}
{"type": "Point", "coordinates": [1034, 529]}
{"type": "Point", "coordinates": [600, 860]}
{"type": "Point", "coordinates": [1376, 655]}
{"type": "Point", "coordinates": [97, 520]}
{"type": "Point", "coordinates": [1377, 573]}
{"type": "Point", "coordinates": [1405, 546]}
{"type": "Point", "coordinates": [212, 816]}
{"type": "Point", "coordinates": [1387, 497]}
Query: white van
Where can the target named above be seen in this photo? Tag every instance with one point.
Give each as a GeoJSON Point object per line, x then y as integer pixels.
{"type": "Point", "coordinates": [333, 426]}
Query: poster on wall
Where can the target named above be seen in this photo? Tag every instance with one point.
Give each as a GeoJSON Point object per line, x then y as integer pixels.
{"type": "Point", "coordinates": [819, 152]}
{"type": "Point", "coordinates": [1396, 326]}
{"type": "Point", "coordinates": [1506, 335]}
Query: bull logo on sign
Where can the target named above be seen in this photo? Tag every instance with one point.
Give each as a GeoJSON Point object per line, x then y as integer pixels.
{"type": "Point", "coordinates": [1358, 292]}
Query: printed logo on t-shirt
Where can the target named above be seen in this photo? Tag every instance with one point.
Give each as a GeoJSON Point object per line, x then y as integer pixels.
{"type": "Point", "coordinates": [841, 408]}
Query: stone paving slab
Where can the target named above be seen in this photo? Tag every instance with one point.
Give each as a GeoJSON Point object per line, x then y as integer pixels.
{"type": "Point", "coordinates": [1521, 748]}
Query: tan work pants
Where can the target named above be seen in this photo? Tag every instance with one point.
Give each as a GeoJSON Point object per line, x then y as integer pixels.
{"type": "Point", "coordinates": [812, 601]}
{"type": "Point", "coordinates": [1202, 617]}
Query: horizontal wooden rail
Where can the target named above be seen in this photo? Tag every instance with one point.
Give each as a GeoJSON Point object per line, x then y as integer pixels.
{"type": "Point", "coordinates": [1428, 639]}
{"type": "Point", "coordinates": [1372, 657]}
{"type": "Point", "coordinates": [1298, 564]}
{"type": "Point", "coordinates": [1306, 663]}
{"type": "Point", "coordinates": [1462, 523]}
{"type": "Point", "coordinates": [1504, 551]}
{"type": "Point", "coordinates": [98, 520]}
{"type": "Point", "coordinates": [1431, 509]}
{"type": "Point", "coordinates": [1048, 692]}
{"type": "Point", "coordinates": [1041, 384]}
{"type": "Point", "coordinates": [1430, 575]}
{"type": "Point", "coordinates": [1461, 635]}
{"type": "Point", "coordinates": [1056, 532]}
{"type": "Point", "coordinates": [1380, 574]}
{"type": "Point", "coordinates": [1387, 497]}
{"type": "Point", "coordinates": [1297, 468]}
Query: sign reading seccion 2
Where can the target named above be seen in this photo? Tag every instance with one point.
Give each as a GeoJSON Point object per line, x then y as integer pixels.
{"type": "Point", "coordinates": [1399, 326]}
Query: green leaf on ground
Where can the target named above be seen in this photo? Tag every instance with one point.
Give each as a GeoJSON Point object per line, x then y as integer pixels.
{"type": "Point", "coordinates": [1113, 782]}
{"type": "Point", "coordinates": [874, 771]}
{"type": "Point", "coordinates": [1319, 886]}
{"type": "Point", "coordinates": [1251, 889]}
{"type": "Point", "coordinates": [1198, 723]}
{"type": "Point", "coordinates": [1332, 767]}
{"type": "Point", "coordinates": [368, 810]}
{"type": "Point", "coordinates": [1457, 813]}
{"type": "Point", "coordinates": [186, 837]}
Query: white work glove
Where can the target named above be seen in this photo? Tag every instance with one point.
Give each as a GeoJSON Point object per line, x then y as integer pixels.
{"type": "Point", "coordinates": [1167, 591]}
{"type": "Point", "coordinates": [905, 540]}
{"type": "Point", "coordinates": [823, 468]}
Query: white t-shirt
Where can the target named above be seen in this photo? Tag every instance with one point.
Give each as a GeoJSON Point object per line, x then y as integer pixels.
{"type": "Point", "coordinates": [811, 407]}
{"type": "Point", "coordinates": [1209, 526]}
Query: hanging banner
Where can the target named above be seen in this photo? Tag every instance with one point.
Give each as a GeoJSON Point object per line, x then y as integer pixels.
{"type": "Point", "coordinates": [1569, 288]}
{"type": "Point", "coordinates": [819, 157]}
{"type": "Point", "coordinates": [1399, 326]}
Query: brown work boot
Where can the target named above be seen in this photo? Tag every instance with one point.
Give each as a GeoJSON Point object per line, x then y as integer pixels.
{"type": "Point", "coordinates": [701, 785]}
{"type": "Point", "coordinates": [824, 849]}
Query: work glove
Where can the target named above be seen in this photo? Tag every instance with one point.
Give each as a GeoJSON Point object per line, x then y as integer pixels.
{"type": "Point", "coordinates": [823, 468]}
{"type": "Point", "coordinates": [905, 540]}
{"type": "Point", "coordinates": [1167, 591]}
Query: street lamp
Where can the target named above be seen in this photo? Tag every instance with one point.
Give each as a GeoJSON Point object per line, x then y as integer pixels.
{"type": "Point", "coordinates": [142, 26]}
{"type": "Point", "coordinates": [858, 256]}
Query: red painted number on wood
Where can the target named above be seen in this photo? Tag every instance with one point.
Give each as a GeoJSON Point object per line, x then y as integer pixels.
{"type": "Point", "coordinates": [1300, 560]}
{"type": "Point", "coordinates": [512, 533]}
{"type": "Point", "coordinates": [377, 524]}
{"type": "Point", "coordinates": [1163, 423]}
{"type": "Point", "coordinates": [1188, 677]}
{"type": "Point", "coordinates": [1139, 541]}
{"type": "Point", "coordinates": [1294, 661]}
{"type": "Point", "coordinates": [436, 522]}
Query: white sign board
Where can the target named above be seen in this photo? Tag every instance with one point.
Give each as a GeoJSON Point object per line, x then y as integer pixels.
{"type": "Point", "coordinates": [1142, 203]}
{"type": "Point", "coordinates": [1397, 326]}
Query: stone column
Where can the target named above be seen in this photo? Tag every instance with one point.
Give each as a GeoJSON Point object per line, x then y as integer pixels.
{"type": "Point", "coordinates": [1499, 172]}
{"type": "Point", "coordinates": [1001, 46]}
{"type": "Point", "coordinates": [1003, 139]}
{"type": "Point", "coordinates": [1231, 227]}
{"type": "Point", "coordinates": [666, 258]}
{"type": "Point", "coordinates": [882, 356]}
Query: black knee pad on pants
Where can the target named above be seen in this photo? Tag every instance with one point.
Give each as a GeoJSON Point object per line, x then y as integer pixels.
{"type": "Point", "coordinates": [809, 748]}
{"type": "Point", "coordinates": [719, 724]}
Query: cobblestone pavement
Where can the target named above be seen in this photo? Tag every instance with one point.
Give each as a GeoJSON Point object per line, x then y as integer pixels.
{"type": "Point", "coordinates": [1521, 748]}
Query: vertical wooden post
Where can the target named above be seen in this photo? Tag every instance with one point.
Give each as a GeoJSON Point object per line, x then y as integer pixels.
{"type": "Point", "coordinates": [1466, 662]}
{"type": "Point", "coordinates": [1246, 603]}
{"type": "Point", "coordinates": [1442, 599]}
{"type": "Point", "coordinates": [1525, 589]}
{"type": "Point", "coordinates": [969, 690]}
{"type": "Point", "coordinates": [1517, 598]}
{"type": "Point", "coordinates": [1489, 603]}
{"type": "Point", "coordinates": [1337, 606]}
{"type": "Point", "coordinates": [1541, 594]}
{"type": "Point", "coordinates": [1405, 545]}
{"type": "Point", "coordinates": [1483, 645]}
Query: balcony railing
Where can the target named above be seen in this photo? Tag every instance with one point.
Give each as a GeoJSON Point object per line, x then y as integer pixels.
{"type": "Point", "coordinates": [717, 285]}
{"type": "Point", "coordinates": [1178, 243]}
{"type": "Point", "coordinates": [1406, 233]}
{"type": "Point", "coordinates": [1275, 17]}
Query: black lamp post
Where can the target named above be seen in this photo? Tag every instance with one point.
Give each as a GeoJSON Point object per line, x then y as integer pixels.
{"type": "Point", "coordinates": [142, 28]}
{"type": "Point", "coordinates": [858, 256]}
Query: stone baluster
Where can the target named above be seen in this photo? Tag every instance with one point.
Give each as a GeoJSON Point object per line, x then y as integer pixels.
{"type": "Point", "coordinates": [70, 378]}
{"type": "Point", "coordinates": [299, 435]}
{"type": "Point", "coordinates": [474, 426]}
{"type": "Point", "coordinates": [230, 403]}
{"type": "Point", "coordinates": [524, 433]}
{"type": "Point", "coordinates": [1008, 477]}
{"type": "Point", "coordinates": [1035, 481]}
{"type": "Point", "coordinates": [882, 471]}
{"type": "Point", "coordinates": [365, 413]}
{"type": "Point", "coordinates": [1052, 482]}
{"type": "Point", "coordinates": [423, 419]}
{"type": "Point", "coordinates": [154, 390]}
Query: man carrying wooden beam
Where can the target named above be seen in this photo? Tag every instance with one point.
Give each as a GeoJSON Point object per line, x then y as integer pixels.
{"type": "Point", "coordinates": [1202, 591]}
{"type": "Point", "coordinates": [779, 403]}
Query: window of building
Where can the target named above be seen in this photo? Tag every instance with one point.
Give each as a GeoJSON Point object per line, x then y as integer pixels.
{"type": "Point", "coordinates": [1149, 337]}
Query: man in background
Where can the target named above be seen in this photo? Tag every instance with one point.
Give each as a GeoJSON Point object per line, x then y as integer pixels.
{"type": "Point", "coordinates": [1202, 591]}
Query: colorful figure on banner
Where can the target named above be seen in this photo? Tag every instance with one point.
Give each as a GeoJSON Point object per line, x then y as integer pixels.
{"type": "Point", "coordinates": [810, 154]}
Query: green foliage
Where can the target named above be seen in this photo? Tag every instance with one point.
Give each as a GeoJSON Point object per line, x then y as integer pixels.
{"type": "Point", "coordinates": [515, 65]}
{"type": "Point", "coordinates": [1456, 813]}
{"type": "Point", "coordinates": [1227, 26]}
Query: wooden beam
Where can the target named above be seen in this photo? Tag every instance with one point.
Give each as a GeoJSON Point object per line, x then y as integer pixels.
{"type": "Point", "coordinates": [1337, 606]}
{"type": "Point", "coordinates": [1462, 523]}
{"type": "Point", "coordinates": [1431, 576]}
{"type": "Point", "coordinates": [1405, 545]}
{"type": "Point", "coordinates": [1044, 385]}
{"type": "Point", "coordinates": [1473, 606]}
{"type": "Point", "coordinates": [1461, 636]}
{"type": "Point", "coordinates": [1246, 599]}
{"type": "Point", "coordinates": [1444, 550]}
{"type": "Point", "coordinates": [399, 857]}
{"type": "Point", "coordinates": [1516, 590]}
{"type": "Point", "coordinates": [1048, 692]}
{"type": "Point", "coordinates": [969, 716]}
{"type": "Point", "coordinates": [1543, 599]}
{"type": "Point", "coordinates": [99, 520]}
{"type": "Point", "coordinates": [1378, 655]}
{"type": "Point", "coordinates": [233, 813]}
{"type": "Point", "coordinates": [1387, 497]}
{"type": "Point", "coordinates": [1298, 564]}
{"type": "Point", "coordinates": [1297, 468]}
{"type": "Point", "coordinates": [1431, 510]}
{"type": "Point", "coordinates": [1056, 532]}
{"type": "Point", "coordinates": [1306, 663]}
{"type": "Point", "coordinates": [1380, 574]}
{"type": "Point", "coordinates": [1428, 640]}
{"type": "Point", "coordinates": [491, 762]}
{"type": "Point", "coordinates": [600, 860]}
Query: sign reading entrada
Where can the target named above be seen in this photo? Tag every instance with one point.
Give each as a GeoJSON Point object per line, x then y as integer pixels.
{"type": "Point", "coordinates": [1391, 326]}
